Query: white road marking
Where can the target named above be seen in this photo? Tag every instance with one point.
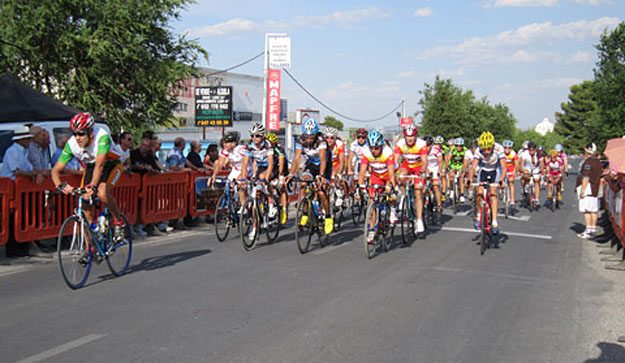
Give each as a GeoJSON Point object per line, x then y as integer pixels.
{"type": "Point", "coordinates": [463, 214]}
{"type": "Point", "coordinates": [469, 230]}
{"type": "Point", "coordinates": [61, 348]}
{"type": "Point", "coordinates": [521, 218]}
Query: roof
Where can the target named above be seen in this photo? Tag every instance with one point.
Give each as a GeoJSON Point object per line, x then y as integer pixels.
{"type": "Point", "coordinates": [19, 102]}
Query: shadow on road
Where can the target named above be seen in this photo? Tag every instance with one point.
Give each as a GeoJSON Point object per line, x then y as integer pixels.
{"type": "Point", "coordinates": [577, 227]}
{"type": "Point", "coordinates": [610, 352]}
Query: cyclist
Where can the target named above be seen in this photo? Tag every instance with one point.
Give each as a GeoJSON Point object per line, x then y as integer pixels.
{"type": "Point", "coordinates": [411, 152]}
{"type": "Point", "coordinates": [565, 163]}
{"type": "Point", "coordinates": [356, 149]}
{"type": "Point", "coordinates": [100, 157]}
{"type": "Point", "coordinates": [489, 158]}
{"type": "Point", "coordinates": [379, 161]}
{"type": "Point", "coordinates": [259, 156]}
{"type": "Point", "coordinates": [435, 163]}
{"type": "Point", "coordinates": [231, 155]}
{"type": "Point", "coordinates": [469, 155]}
{"type": "Point", "coordinates": [511, 159]}
{"type": "Point", "coordinates": [337, 149]}
{"type": "Point", "coordinates": [555, 168]}
{"type": "Point", "coordinates": [455, 161]}
{"type": "Point", "coordinates": [312, 149]}
{"type": "Point", "coordinates": [529, 165]}
{"type": "Point", "coordinates": [281, 166]}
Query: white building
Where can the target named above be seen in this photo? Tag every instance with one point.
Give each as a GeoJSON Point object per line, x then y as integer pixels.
{"type": "Point", "coordinates": [544, 127]}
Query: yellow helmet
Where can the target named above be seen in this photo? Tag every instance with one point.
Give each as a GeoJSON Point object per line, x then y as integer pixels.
{"type": "Point", "coordinates": [272, 137]}
{"type": "Point", "coordinates": [553, 153]}
{"type": "Point", "coordinates": [486, 140]}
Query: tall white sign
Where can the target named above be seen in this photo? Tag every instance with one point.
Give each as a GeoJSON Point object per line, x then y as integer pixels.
{"type": "Point", "coordinates": [279, 49]}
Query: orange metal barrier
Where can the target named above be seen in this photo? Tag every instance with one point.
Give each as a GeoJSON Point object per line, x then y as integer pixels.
{"type": "Point", "coordinates": [126, 193]}
{"type": "Point", "coordinates": [6, 196]}
{"type": "Point", "coordinates": [164, 196]}
{"type": "Point", "coordinates": [615, 202]}
{"type": "Point", "coordinates": [207, 197]}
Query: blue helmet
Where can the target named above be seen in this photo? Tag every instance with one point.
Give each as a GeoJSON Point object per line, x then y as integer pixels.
{"type": "Point", "coordinates": [375, 138]}
{"type": "Point", "coordinates": [310, 127]}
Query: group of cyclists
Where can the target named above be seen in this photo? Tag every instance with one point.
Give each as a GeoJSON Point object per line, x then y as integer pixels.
{"type": "Point", "coordinates": [369, 162]}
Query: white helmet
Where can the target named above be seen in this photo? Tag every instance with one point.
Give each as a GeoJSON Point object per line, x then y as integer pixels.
{"type": "Point", "coordinates": [331, 131]}
{"type": "Point", "coordinates": [257, 128]}
{"type": "Point", "coordinates": [558, 148]}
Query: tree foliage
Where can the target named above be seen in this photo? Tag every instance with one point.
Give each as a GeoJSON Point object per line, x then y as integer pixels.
{"type": "Point", "coordinates": [450, 111]}
{"type": "Point", "coordinates": [578, 116]}
{"type": "Point", "coordinates": [333, 122]}
{"type": "Point", "coordinates": [116, 58]}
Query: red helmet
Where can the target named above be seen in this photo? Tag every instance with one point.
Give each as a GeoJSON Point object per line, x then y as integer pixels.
{"type": "Point", "coordinates": [410, 130]}
{"type": "Point", "coordinates": [362, 132]}
{"type": "Point", "coordinates": [81, 121]}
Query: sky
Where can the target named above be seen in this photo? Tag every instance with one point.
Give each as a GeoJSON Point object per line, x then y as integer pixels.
{"type": "Point", "coordinates": [362, 57]}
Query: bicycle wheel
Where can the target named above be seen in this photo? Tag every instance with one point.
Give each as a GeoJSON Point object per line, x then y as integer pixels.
{"type": "Point", "coordinates": [485, 238]}
{"type": "Point", "coordinates": [303, 232]}
{"type": "Point", "coordinates": [358, 210]}
{"type": "Point", "coordinates": [384, 226]}
{"type": "Point", "coordinates": [119, 253]}
{"type": "Point", "coordinates": [456, 199]}
{"type": "Point", "coordinates": [223, 216]}
{"type": "Point", "coordinates": [554, 197]}
{"type": "Point", "coordinates": [76, 262]}
{"type": "Point", "coordinates": [273, 223]}
{"type": "Point", "coordinates": [250, 222]}
{"type": "Point", "coordinates": [506, 201]}
{"type": "Point", "coordinates": [372, 212]}
{"type": "Point", "coordinates": [407, 221]}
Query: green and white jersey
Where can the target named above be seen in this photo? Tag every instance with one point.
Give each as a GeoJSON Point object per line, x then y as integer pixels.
{"type": "Point", "coordinates": [101, 144]}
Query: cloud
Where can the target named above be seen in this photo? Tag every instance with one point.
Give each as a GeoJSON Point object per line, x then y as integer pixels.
{"type": "Point", "coordinates": [582, 57]}
{"type": "Point", "coordinates": [519, 3]}
{"type": "Point", "coordinates": [504, 46]}
{"type": "Point", "coordinates": [423, 12]}
{"type": "Point", "coordinates": [339, 19]}
{"type": "Point", "coordinates": [407, 74]}
{"type": "Point", "coordinates": [592, 2]}
{"type": "Point", "coordinates": [540, 84]}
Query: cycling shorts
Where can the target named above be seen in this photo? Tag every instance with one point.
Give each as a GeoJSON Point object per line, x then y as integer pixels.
{"type": "Point", "coordinates": [490, 176]}
{"type": "Point", "coordinates": [314, 170]}
{"type": "Point", "coordinates": [110, 175]}
{"type": "Point", "coordinates": [414, 170]}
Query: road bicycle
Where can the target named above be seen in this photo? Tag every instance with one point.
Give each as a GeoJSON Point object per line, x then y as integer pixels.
{"type": "Point", "coordinates": [91, 243]}
{"type": "Point", "coordinates": [358, 203]}
{"type": "Point", "coordinates": [504, 196]}
{"type": "Point", "coordinates": [554, 201]}
{"type": "Point", "coordinates": [377, 221]}
{"type": "Point", "coordinates": [336, 193]}
{"type": "Point", "coordinates": [455, 193]}
{"type": "Point", "coordinates": [408, 210]}
{"type": "Point", "coordinates": [430, 210]}
{"type": "Point", "coordinates": [260, 213]}
{"type": "Point", "coordinates": [227, 212]}
{"type": "Point", "coordinates": [309, 217]}
{"type": "Point", "coordinates": [484, 217]}
{"type": "Point", "coordinates": [529, 200]}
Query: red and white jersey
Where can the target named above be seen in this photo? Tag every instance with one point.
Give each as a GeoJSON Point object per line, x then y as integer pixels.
{"type": "Point", "coordinates": [433, 155]}
{"type": "Point", "coordinates": [235, 156]}
{"type": "Point", "coordinates": [554, 166]}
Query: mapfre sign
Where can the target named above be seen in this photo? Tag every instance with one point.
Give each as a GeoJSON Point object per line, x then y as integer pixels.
{"type": "Point", "coordinates": [273, 99]}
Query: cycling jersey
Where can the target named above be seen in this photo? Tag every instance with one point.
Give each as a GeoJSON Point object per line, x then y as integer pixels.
{"type": "Point", "coordinates": [379, 165]}
{"type": "Point", "coordinates": [457, 158]}
{"type": "Point", "coordinates": [358, 150]}
{"type": "Point", "coordinates": [311, 156]}
{"type": "Point", "coordinates": [337, 151]}
{"type": "Point", "coordinates": [260, 153]}
{"type": "Point", "coordinates": [489, 166]}
{"type": "Point", "coordinates": [530, 163]}
{"type": "Point", "coordinates": [235, 158]}
{"type": "Point", "coordinates": [555, 167]}
{"type": "Point", "coordinates": [511, 160]}
{"type": "Point", "coordinates": [413, 156]}
{"type": "Point", "coordinates": [101, 144]}
{"type": "Point", "coordinates": [432, 158]}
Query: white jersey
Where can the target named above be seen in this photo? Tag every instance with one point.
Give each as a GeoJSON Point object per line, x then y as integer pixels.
{"type": "Point", "coordinates": [358, 151]}
{"type": "Point", "coordinates": [433, 155]}
{"type": "Point", "coordinates": [469, 155]}
{"type": "Point", "coordinates": [529, 162]}
{"type": "Point", "coordinates": [101, 144]}
{"type": "Point", "coordinates": [490, 163]}
{"type": "Point", "coordinates": [235, 156]}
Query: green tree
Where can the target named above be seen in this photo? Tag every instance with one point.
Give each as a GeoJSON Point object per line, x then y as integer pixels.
{"type": "Point", "coordinates": [609, 86]}
{"type": "Point", "coordinates": [115, 58]}
{"type": "Point", "coordinates": [497, 119]}
{"type": "Point", "coordinates": [579, 115]}
{"type": "Point", "coordinates": [333, 122]}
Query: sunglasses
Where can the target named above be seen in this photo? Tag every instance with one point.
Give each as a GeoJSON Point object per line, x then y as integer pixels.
{"type": "Point", "coordinates": [330, 137]}
{"type": "Point", "coordinates": [83, 133]}
{"type": "Point", "coordinates": [361, 137]}
{"type": "Point", "coordinates": [258, 136]}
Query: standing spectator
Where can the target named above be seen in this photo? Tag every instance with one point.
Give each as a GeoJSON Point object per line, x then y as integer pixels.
{"type": "Point", "coordinates": [15, 163]}
{"type": "Point", "coordinates": [126, 141]}
{"type": "Point", "coordinates": [156, 147]}
{"type": "Point", "coordinates": [194, 160]}
{"type": "Point", "coordinates": [588, 184]}
{"type": "Point", "coordinates": [175, 160]}
{"type": "Point", "coordinates": [143, 160]}
{"type": "Point", "coordinates": [39, 149]}
{"type": "Point", "coordinates": [211, 156]}
{"type": "Point", "coordinates": [73, 166]}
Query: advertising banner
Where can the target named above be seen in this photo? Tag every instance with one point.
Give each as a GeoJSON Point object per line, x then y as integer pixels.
{"type": "Point", "coordinates": [279, 47]}
{"type": "Point", "coordinates": [273, 99]}
{"type": "Point", "coordinates": [406, 121]}
{"type": "Point", "coordinates": [213, 106]}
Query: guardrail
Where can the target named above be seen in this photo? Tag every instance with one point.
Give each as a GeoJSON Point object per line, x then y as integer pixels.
{"type": "Point", "coordinates": [164, 196]}
{"type": "Point", "coordinates": [6, 196]}
{"type": "Point", "coordinates": [615, 204]}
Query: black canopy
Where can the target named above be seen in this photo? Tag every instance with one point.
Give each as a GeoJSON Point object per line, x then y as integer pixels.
{"type": "Point", "coordinates": [19, 102]}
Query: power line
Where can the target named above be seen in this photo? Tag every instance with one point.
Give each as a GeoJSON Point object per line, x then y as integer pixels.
{"type": "Point", "coordinates": [336, 112]}
{"type": "Point", "coordinates": [238, 65]}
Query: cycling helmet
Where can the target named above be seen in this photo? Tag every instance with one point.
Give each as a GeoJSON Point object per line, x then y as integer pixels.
{"type": "Point", "coordinates": [428, 140]}
{"type": "Point", "coordinates": [531, 145]}
{"type": "Point", "coordinates": [541, 148]}
{"type": "Point", "coordinates": [507, 143]}
{"type": "Point", "coordinates": [310, 127]}
{"type": "Point", "coordinates": [526, 144]}
{"type": "Point", "coordinates": [410, 130]}
{"type": "Point", "coordinates": [459, 142]}
{"type": "Point", "coordinates": [257, 128]}
{"type": "Point", "coordinates": [451, 142]}
{"type": "Point", "coordinates": [272, 137]}
{"type": "Point", "coordinates": [553, 153]}
{"type": "Point", "coordinates": [361, 132]}
{"type": "Point", "coordinates": [375, 138]}
{"type": "Point", "coordinates": [81, 121]}
{"type": "Point", "coordinates": [558, 148]}
{"type": "Point", "coordinates": [486, 140]}
{"type": "Point", "coordinates": [331, 131]}
{"type": "Point", "coordinates": [439, 140]}
{"type": "Point", "coordinates": [231, 137]}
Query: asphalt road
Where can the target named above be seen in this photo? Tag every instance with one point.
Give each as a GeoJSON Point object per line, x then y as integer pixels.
{"type": "Point", "coordinates": [542, 296]}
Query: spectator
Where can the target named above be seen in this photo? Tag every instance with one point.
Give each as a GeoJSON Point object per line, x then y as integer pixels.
{"type": "Point", "coordinates": [15, 163]}
{"type": "Point", "coordinates": [588, 185]}
{"type": "Point", "coordinates": [142, 159]}
{"type": "Point", "coordinates": [126, 141]}
{"type": "Point", "coordinates": [39, 149]}
{"type": "Point", "coordinates": [211, 156]}
{"type": "Point", "coordinates": [156, 147]}
{"type": "Point", "coordinates": [194, 160]}
{"type": "Point", "coordinates": [73, 167]}
{"type": "Point", "coordinates": [175, 160]}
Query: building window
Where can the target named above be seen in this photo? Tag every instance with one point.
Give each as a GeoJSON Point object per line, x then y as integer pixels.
{"type": "Point", "coordinates": [181, 107]}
